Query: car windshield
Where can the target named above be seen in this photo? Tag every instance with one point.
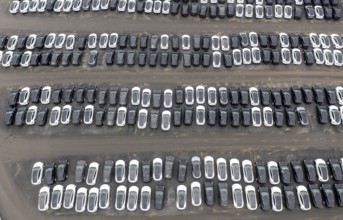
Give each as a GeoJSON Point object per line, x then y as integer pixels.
{"type": "Point", "coordinates": [55, 197]}
{"type": "Point", "coordinates": [35, 174]}
{"type": "Point", "coordinates": [92, 201]}
{"type": "Point", "coordinates": [42, 199]}
{"type": "Point", "coordinates": [68, 196]}
{"type": "Point", "coordinates": [103, 197]}
{"type": "Point", "coordinates": [80, 200]}
{"type": "Point", "coordinates": [238, 197]}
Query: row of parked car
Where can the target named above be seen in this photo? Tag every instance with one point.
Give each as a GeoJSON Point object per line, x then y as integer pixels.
{"type": "Point", "coordinates": [186, 42]}
{"type": "Point", "coordinates": [166, 168]}
{"type": "Point", "coordinates": [133, 198]}
{"type": "Point", "coordinates": [222, 9]}
{"type": "Point", "coordinates": [189, 95]}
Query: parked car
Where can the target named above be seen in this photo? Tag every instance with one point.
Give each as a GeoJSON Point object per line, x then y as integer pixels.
{"type": "Point", "coordinates": [44, 198]}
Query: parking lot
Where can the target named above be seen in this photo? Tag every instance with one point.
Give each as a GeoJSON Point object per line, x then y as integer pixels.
{"type": "Point", "coordinates": [20, 148]}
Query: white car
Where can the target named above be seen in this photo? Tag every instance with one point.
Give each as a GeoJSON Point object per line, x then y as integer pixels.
{"type": "Point", "coordinates": [120, 198]}
{"type": "Point", "coordinates": [122, 5]}
{"type": "Point", "coordinates": [336, 41]}
{"type": "Point", "coordinates": [93, 198]}
{"type": "Point", "coordinates": [216, 59]}
{"type": "Point", "coordinates": [81, 199]}
{"type": "Point", "coordinates": [66, 114]}
{"type": "Point", "coordinates": [235, 170]}
{"type": "Point", "coordinates": [145, 198]}
{"type": "Point", "coordinates": [237, 57]}
{"type": "Point", "coordinates": [189, 95]}
{"type": "Point", "coordinates": [250, 194]}
{"type": "Point", "coordinates": [14, 7]}
{"type": "Point", "coordinates": [268, 118]}
{"type": "Point", "coordinates": [186, 42]}
{"type": "Point", "coordinates": [60, 40]}
{"type": "Point", "coordinates": [69, 196]}
{"type": "Point", "coordinates": [103, 41]}
{"type": "Point", "coordinates": [157, 169]}
{"type": "Point", "coordinates": [319, 12]}
{"type": "Point", "coordinates": [212, 96]}
{"type": "Point", "coordinates": [50, 40]}
{"type": "Point", "coordinates": [25, 59]}
{"type": "Point", "coordinates": [200, 95]}
{"type": "Point", "coordinates": [135, 96]}
{"type": "Point", "coordinates": [249, 10]}
{"type": "Point", "coordinates": [322, 170]}
{"type": "Point", "coordinates": [168, 98]}
{"type": "Point", "coordinates": [209, 167]}
{"type": "Point", "coordinates": [256, 116]}
{"type": "Point", "coordinates": [299, 2]}
{"type": "Point", "coordinates": [92, 40]}
{"type": "Point", "coordinates": [278, 11]}
{"type": "Point", "coordinates": [196, 167]}
{"type": "Point", "coordinates": [181, 197]}
{"type": "Point", "coordinates": [296, 56]}
{"type": "Point", "coordinates": [7, 58]}
{"type": "Point", "coordinates": [237, 194]}
{"type": "Point", "coordinates": [254, 96]}
{"type": "Point", "coordinates": [121, 116]}
{"type": "Point", "coordinates": [70, 41]}
{"type": "Point", "coordinates": [225, 43]}
{"type": "Point", "coordinates": [56, 197]}
{"type": "Point", "coordinates": [133, 171]}
{"type": "Point", "coordinates": [12, 42]}
{"type": "Point", "coordinates": [324, 41]}
{"type": "Point", "coordinates": [277, 199]}
{"type": "Point", "coordinates": [41, 6]}
{"type": "Point", "coordinates": [45, 95]}
{"type": "Point", "coordinates": [335, 116]}
{"type": "Point", "coordinates": [37, 173]}
{"type": "Point", "coordinates": [104, 196]}
{"type": "Point", "coordinates": [248, 173]}
{"type": "Point", "coordinates": [132, 198]}
{"type": "Point", "coordinates": [120, 171]}
{"type": "Point", "coordinates": [196, 194]}
{"type": "Point", "coordinates": [315, 41]}
{"type": "Point", "coordinates": [31, 115]}
{"type": "Point", "coordinates": [24, 6]}
{"type": "Point", "coordinates": [339, 94]}
{"type": "Point", "coordinates": [338, 57]}
{"type": "Point", "coordinates": [95, 5]}
{"type": "Point", "coordinates": [24, 96]}
{"type": "Point", "coordinates": [165, 121]}
{"type": "Point", "coordinates": [200, 115]}
{"type": "Point", "coordinates": [284, 40]}
{"type": "Point", "coordinates": [286, 56]}
{"type": "Point", "coordinates": [166, 7]}
{"type": "Point", "coordinates": [303, 198]}
{"type": "Point", "coordinates": [44, 198]}
{"type": "Point", "coordinates": [328, 57]}
{"type": "Point", "coordinates": [55, 116]}
{"type": "Point", "coordinates": [58, 5]}
{"type": "Point", "coordinates": [67, 6]}
{"type": "Point", "coordinates": [273, 171]}
{"type": "Point", "coordinates": [221, 169]}
{"type": "Point", "coordinates": [246, 56]}
{"type": "Point", "coordinates": [88, 114]}
{"type": "Point", "coordinates": [112, 41]}
{"type": "Point", "coordinates": [92, 173]}
{"type": "Point", "coordinates": [31, 42]}
{"type": "Point", "coordinates": [259, 11]}
{"type": "Point", "coordinates": [157, 6]}
{"type": "Point", "coordinates": [148, 6]}
{"type": "Point", "coordinates": [215, 40]}
{"type": "Point", "coordinates": [146, 96]}
{"type": "Point", "coordinates": [288, 12]}
{"type": "Point", "coordinates": [318, 56]}
{"type": "Point", "coordinates": [253, 39]}
{"type": "Point", "coordinates": [164, 42]}
{"type": "Point", "coordinates": [142, 119]}
{"type": "Point", "coordinates": [104, 4]}
{"type": "Point", "coordinates": [239, 10]}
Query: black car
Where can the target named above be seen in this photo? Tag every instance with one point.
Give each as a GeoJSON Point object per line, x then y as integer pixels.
{"type": "Point", "coordinates": [318, 94]}
{"type": "Point", "coordinates": [177, 116]}
{"type": "Point", "coordinates": [109, 57]}
{"type": "Point", "coordinates": [49, 173]}
{"type": "Point", "coordinates": [297, 95]}
{"type": "Point", "coordinates": [278, 117]}
{"type": "Point", "coordinates": [223, 195]}
{"type": "Point", "coordinates": [35, 58]}
{"type": "Point", "coordinates": [80, 94]}
{"type": "Point", "coordinates": [206, 42]}
{"type": "Point", "coordinates": [56, 95]}
{"type": "Point", "coordinates": [102, 95]}
{"type": "Point", "coordinates": [276, 96]}
{"type": "Point", "coordinates": [76, 117]}
{"type": "Point", "coordinates": [316, 195]}
{"type": "Point", "coordinates": [35, 94]}
{"type": "Point", "coordinates": [100, 116]}
{"type": "Point", "coordinates": [203, 10]}
{"type": "Point", "coordinates": [223, 117]}
{"type": "Point", "coordinates": [62, 170]}
{"type": "Point", "coordinates": [329, 196]}
{"type": "Point", "coordinates": [159, 197]}
{"type": "Point", "coordinates": [179, 96]}
{"type": "Point", "coordinates": [322, 114]}
{"type": "Point", "coordinates": [310, 170]}
{"type": "Point", "coordinates": [246, 117]}
{"type": "Point", "coordinates": [108, 171]}
{"type": "Point", "coordinates": [133, 41]}
{"type": "Point", "coordinates": [113, 95]}
{"type": "Point", "coordinates": [3, 41]}
{"type": "Point", "coordinates": [186, 57]}
{"type": "Point", "coordinates": [146, 171]}
{"type": "Point", "coordinates": [330, 94]}
{"type": "Point", "coordinates": [20, 116]}
{"type": "Point", "coordinates": [174, 62]}
{"type": "Point", "coordinates": [297, 12]}
{"type": "Point", "coordinates": [50, 5]}
{"type": "Point", "coordinates": [154, 119]}
{"type": "Point", "coordinates": [221, 11]}
{"type": "Point", "coordinates": [132, 116]}
{"type": "Point", "coordinates": [175, 39]}
{"type": "Point", "coordinates": [266, 56]}
{"type": "Point", "coordinates": [265, 96]}
{"type": "Point", "coordinates": [298, 171]}
{"type": "Point", "coordinates": [123, 96]}
{"type": "Point", "coordinates": [182, 170]}
{"type": "Point", "coordinates": [123, 37]}
{"type": "Point", "coordinates": [131, 58]}
{"type": "Point", "coordinates": [289, 197]}
{"type": "Point", "coordinates": [188, 115]}
{"type": "Point", "coordinates": [336, 169]}
{"type": "Point", "coordinates": [227, 59]}
{"type": "Point", "coordinates": [42, 116]}
{"type": "Point", "coordinates": [261, 172]}
{"type": "Point", "coordinates": [212, 11]}
{"type": "Point", "coordinates": [206, 59]}
{"type": "Point", "coordinates": [175, 7]}
{"type": "Point", "coordinates": [196, 42]}
{"type": "Point", "coordinates": [263, 40]}
{"type": "Point", "coordinates": [142, 58]}
{"type": "Point", "coordinates": [153, 58]}
{"type": "Point", "coordinates": [45, 58]}
{"type": "Point", "coordinates": [273, 40]}
{"type": "Point", "coordinates": [80, 171]}
{"type": "Point", "coordinates": [13, 98]}
{"type": "Point", "coordinates": [285, 173]}
{"type": "Point", "coordinates": [154, 42]}
{"type": "Point", "coordinates": [66, 58]}
{"type": "Point", "coordinates": [111, 116]}
{"type": "Point", "coordinates": [307, 94]}
{"type": "Point", "coordinates": [113, 5]}
{"type": "Point", "coordinates": [16, 57]}
{"type": "Point", "coordinates": [286, 97]}
{"type": "Point", "coordinates": [140, 6]}
{"type": "Point", "coordinates": [76, 60]}
{"type": "Point", "coordinates": [336, 13]}
{"type": "Point", "coordinates": [209, 193]}
{"type": "Point", "coordinates": [212, 116]}
{"type": "Point", "coordinates": [196, 59]}
{"type": "Point", "coordinates": [68, 94]}
{"type": "Point", "coordinates": [339, 192]}
{"type": "Point", "coordinates": [275, 55]}
{"type": "Point", "coordinates": [294, 40]}
{"type": "Point", "coordinates": [9, 116]}
{"type": "Point", "coordinates": [144, 41]}
{"type": "Point", "coordinates": [21, 42]}
{"type": "Point", "coordinates": [290, 117]}
{"type": "Point", "coordinates": [327, 12]}
{"type": "Point", "coordinates": [185, 10]}
{"type": "Point", "coordinates": [235, 117]}
{"type": "Point", "coordinates": [91, 94]}
{"type": "Point", "coordinates": [56, 58]}
{"type": "Point", "coordinates": [121, 57]}
{"type": "Point", "coordinates": [264, 198]}
{"type": "Point", "coordinates": [164, 59]}
{"type": "Point", "coordinates": [194, 9]}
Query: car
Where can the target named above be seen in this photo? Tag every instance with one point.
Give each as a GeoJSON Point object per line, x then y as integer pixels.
{"type": "Point", "coordinates": [145, 198]}
{"type": "Point", "coordinates": [120, 200]}
{"type": "Point", "coordinates": [19, 118]}
{"type": "Point", "coordinates": [159, 197]}
{"type": "Point", "coordinates": [302, 116]}
{"type": "Point", "coordinates": [216, 61]}
{"type": "Point", "coordinates": [336, 41]}
{"type": "Point", "coordinates": [264, 198]}
{"type": "Point", "coordinates": [273, 170]}
{"type": "Point", "coordinates": [24, 6]}
{"type": "Point", "coordinates": [164, 42]}
{"type": "Point", "coordinates": [31, 115]}
{"type": "Point", "coordinates": [315, 40]}
{"type": "Point", "coordinates": [196, 193]}
{"type": "Point", "coordinates": [328, 57]}
{"type": "Point", "coordinates": [322, 170]}
{"type": "Point", "coordinates": [121, 116]}
{"type": "Point", "coordinates": [221, 169]}
{"type": "Point", "coordinates": [186, 42]}
{"type": "Point", "coordinates": [339, 94]}
{"type": "Point", "coordinates": [268, 117]}
{"type": "Point", "coordinates": [7, 59]}
{"type": "Point", "coordinates": [80, 171]}
{"type": "Point", "coordinates": [165, 7]}
{"type": "Point", "coordinates": [278, 11]}
{"type": "Point", "coordinates": [237, 57]}
{"type": "Point", "coordinates": [338, 189]}
{"type": "Point", "coordinates": [45, 95]}
{"type": "Point", "coordinates": [49, 173]}
{"type": "Point", "coordinates": [132, 198]}
{"type": "Point", "coordinates": [289, 197]}
{"type": "Point", "coordinates": [120, 171]}
{"type": "Point", "coordinates": [135, 96]}
{"type": "Point", "coordinates": [148, 6]}
{"type": "Point", "coordinates": [336, 169]}
{"type": "Point", "coordinates": [104, 196]}
{"type": "Point", "coordinates": [56, 197]}
{"type": "Point", "coordinates": [122, 5]}
{"type": "Point", "coordinates": [235, 170]}
{"type": "Point", "coordinates": [146, 171]}
{"type": "Point", "coordinates": [157, 7]}
{"type": "Point", "coordinates": [14, 7]}
{"type": "Point", "coordinates": [168, 98]}
{"type": "Point", "coordinates": [254, 96]}
{"type": "Point", "coordinates": [196, 167]}
{"type": "Point", "coordinates": [250, 193]}
{"type": "Point", "coordinates": [107, 172]}
{"type": "Point", "coordinates": [303, 198]}
{"type": "Point", "coordinates": [93, 198]}
{"type": "Point", "coordinates": [24, 96]}
{"type": "Point", "coordinates": [44, 198]}
{"type": "Point", "coordinates": [37, 173]}
{"type": "Point", "coordinates": [81, 199]}
{"type": "Point", "coordinates": [165, 122]}
{"type": "Point", "coordinates": [67, 6]}
{"type": "Point", "coordinates": [26, 59]}
{"type": "Point", "coordinates": [168, 167]}
{"type": "Point", "coordinates": [181, 197]}
{"type": "Point", "coordinates": [256, 116]}
{"type": "Point", "coordinates": [200, 115]}
{"type": "Point", "coordinates": [62, 170]}
{"type": "Point", "coordinates": [277, 200]}
{"type": "Point", "coordinates": [92, 173]}
{"type": "Point", "coordinates": [338, 58]}
{"type": "Point", "coordinates": [237, 194]}
{"type": "Point", "coordinates": [297, 171]}
{"type": "Point", "coordinates": [335, 115]}
{"type": "Point", "coordinates": [322, 114]}
{"type": "Point", "coordinates": [88, 115]}
{"type": "Point", "coordinates": [209, 193]}
{"type": "Point", "coordinates": [310, 170]}
{"type": "Point", "coordinates": [248, 173]}
{"type": "Point", "coordinates": [69, 196]}
{"type": "Point", "coordinates": [103, 41]}
{"type": "Point", "coordinates": [142, 118]}
{"type": "Point", "coordinates": [55, 116]}
{"type": "Point", "coordinates": [157, 169]}
{"type": "Point", "coordinates": [133, 171]}
{"type": "Point", "coordinates": [209, 167]}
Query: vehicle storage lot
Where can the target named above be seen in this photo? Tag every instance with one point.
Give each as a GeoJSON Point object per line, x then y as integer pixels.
{"type": "Point", "coordinates": [20, 148]}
